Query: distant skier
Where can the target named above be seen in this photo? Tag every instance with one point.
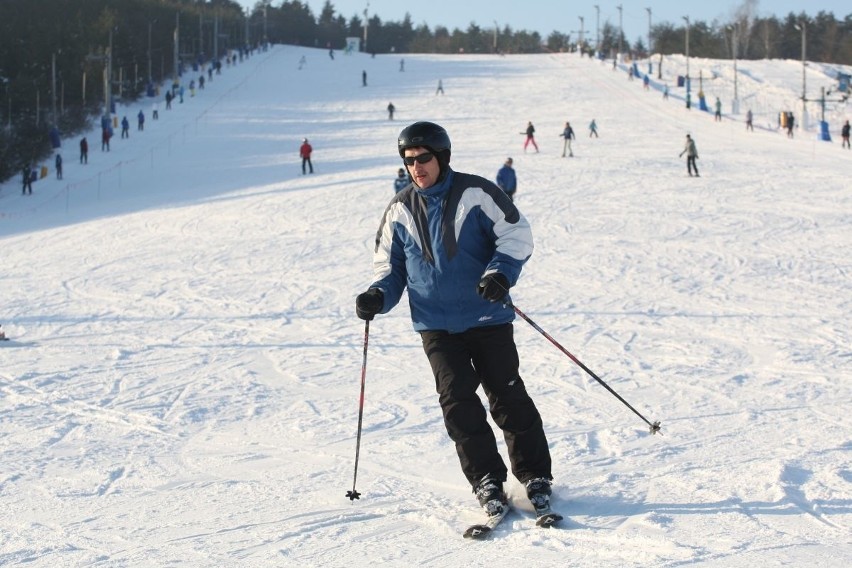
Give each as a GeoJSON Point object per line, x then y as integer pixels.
{"type": "Point", "coordinates": [593, 129]}
{"type": "Point", "coordinates": [391, 108]}
{"type": "Point", "coordinates": [27, 179]}
{"type": "Point", "coordinates": [530, 134]}
{"type": "Point", "coordinates": [58, 163]}
{"type": "Point", "coordinates": [106, 134]}
{"type": "Point", "coordinates": [401, 181]}
{"type": "Point", "coordinates": [718, 116]}
{"type": "Point", "coordinates": [363, 78]}
{"type": "Point", "coordinates": [791, 122]}
{"type": "Point", "coordinates": [844, 133]}
{"type": "Point", "coordinates": [568, 135]}
{"type": "Point", "coordinates": [750, 120]}
{"type": "Point", "coordinates": [507, 180]}
{"type": "Point", "coordinates": [305, 152]}
{"type": "Point", "coordinates": [440, 89]}
{"type": "Point", "coordinates": [691, 155]}
{"type": "Point", "coordinates": [140, 121]}
{"type": "Point", "coordinates": [125, 128]}
{"type": "Point", "coordinates": [84, 151]}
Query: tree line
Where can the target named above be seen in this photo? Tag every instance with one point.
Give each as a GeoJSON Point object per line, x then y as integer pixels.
{"type": "Point", "coordinates": [54, 54]}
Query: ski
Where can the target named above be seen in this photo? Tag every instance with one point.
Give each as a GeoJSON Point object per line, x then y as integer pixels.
{"type": "Point", "coordinates": [483, 530]}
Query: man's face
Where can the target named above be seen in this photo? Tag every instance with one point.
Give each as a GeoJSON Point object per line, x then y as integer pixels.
{"type": "Point", "coordinates": [424, 175]}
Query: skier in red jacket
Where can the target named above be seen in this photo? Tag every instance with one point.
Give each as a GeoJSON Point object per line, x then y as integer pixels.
{"type": "Point", "coordinates": [305, 152]}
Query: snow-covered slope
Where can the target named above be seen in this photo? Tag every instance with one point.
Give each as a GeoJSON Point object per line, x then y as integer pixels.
{"type": "Point", "coordinates": [182, 383]}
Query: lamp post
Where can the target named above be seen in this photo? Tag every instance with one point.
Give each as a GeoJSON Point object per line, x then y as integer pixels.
{"type": "Point", "coordinates": [53, 86]}
{"type": "Point", "coordinates": [649, 33]}
{"type": "Point", "coordinates": [495, 36]}
{"type": "Point", "coordinates": [598, 28]}
{"type": "Point", "coordinates": [366, 25]}
{"type": "Point", "coordinates": [686, 19]}
{"type": "Point", "coordinates": [150, 75]}
{"type": "Point", "coordinates": [735, 105]}
{"type": "Point", "coordinates": [803, 28]}
{"type": "Point", "coordinates": [620, 30]}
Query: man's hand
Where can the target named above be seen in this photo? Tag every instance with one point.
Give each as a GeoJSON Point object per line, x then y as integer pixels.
{"type": "Point", "coordinates": [493, 287]}
{"type": "Point", "coordinates": [369, 303]}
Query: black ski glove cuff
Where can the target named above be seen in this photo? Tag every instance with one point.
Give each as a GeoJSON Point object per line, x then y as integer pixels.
{"type": "Point", "coordinates": [493, 287]}
{"type": "Point", "coordinates": [369, 303]}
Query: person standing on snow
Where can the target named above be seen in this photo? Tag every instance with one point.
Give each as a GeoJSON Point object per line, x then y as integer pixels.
{"type": "Point", "coordinates": [84, 151]}
{"type": "Point", "coordinates": [844, 134]}
{"type": "Point", "coordinates": [27, 179]}
{"type": "Point", "coordinates": [507, 180]}
{"type": "Point", "coordinates": [530, 134]}
{"type": "Point", "coordinates": [750, 120]}
{"type": "Point", "coordinates": [718, 116]}
{"type": "Point", "coordinates": [458, 243]}
{"type": "Point", "coordinates": [58, 163]}
{"type": "Point", "coordinates": [691, 155]}
{"type": "Point", "coordinates": [305, 153]}
{"type": "Point", "coordinates": [593, 129]}
{"type": "Point", "coordinates": [568, 135]}
{"type": "Point", "coordinates": [125, 128]}
{"type": "Point", "coordinates": [401, 181]}
{"type": "Point", "coordinates": [391, 108]}
{"type": "Point", "coordinates": [140, 121]}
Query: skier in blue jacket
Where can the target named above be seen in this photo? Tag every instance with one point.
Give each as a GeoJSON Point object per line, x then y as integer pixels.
{"type": "Point", "coordinates": [507, 180]}
{"type": "Point", "coordinates": [458, 243]}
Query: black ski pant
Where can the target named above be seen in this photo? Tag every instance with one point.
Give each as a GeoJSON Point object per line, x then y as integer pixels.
{"type": "Point", "coordinates": [690, 165]}
{"type": "Point", "coordinates": [487, 356]}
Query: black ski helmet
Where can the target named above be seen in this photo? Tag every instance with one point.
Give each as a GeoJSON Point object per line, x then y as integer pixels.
{"type": "Point", "coordinates": [425, 134]}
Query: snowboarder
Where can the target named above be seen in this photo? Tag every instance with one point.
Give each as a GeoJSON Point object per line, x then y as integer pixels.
{"type": "Point", "coordinates": [530, 134]}
{"type": "Point", "coordinates": [58, 164]}
{"type": "Point", "coordinates": [691, 155]}
{"type": "Point", "coordinates": [593, 129]}
{"type": "Point", "coordinates": [568, 135]}
{"type": "Point", "coordinates": [460, 313]}
{"type": "Point", "coordinates": [391, 108]}
{"type": "Point", "coordinates": [507, 180]}
{"type": "Point", "coordinates": [844, 134]}
{"type": "Point", "coordinates": [401, 181]}
{"type": "Point", "coordinates": [84, 151]}
{"type": "Point", "coordinates": [305, 153]}
{"type": "Point", "coordinates": [27, 179]}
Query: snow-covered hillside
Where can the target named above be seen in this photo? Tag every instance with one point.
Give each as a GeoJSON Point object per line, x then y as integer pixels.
{"type": "Point", "coordinates": [181, 386]}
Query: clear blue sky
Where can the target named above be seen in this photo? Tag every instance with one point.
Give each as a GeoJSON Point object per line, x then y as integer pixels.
{"type": "Point", "coordinates": [544, 16]}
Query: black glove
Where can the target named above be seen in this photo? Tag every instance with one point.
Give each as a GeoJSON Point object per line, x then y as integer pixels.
{"type": "Point", "coordinates": [369, 303]}
{"type": "Point", "coordinates": [493, 287]}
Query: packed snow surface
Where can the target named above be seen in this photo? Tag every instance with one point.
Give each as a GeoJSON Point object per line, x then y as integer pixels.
{"type": "Point", "coordinates": [182, 382]}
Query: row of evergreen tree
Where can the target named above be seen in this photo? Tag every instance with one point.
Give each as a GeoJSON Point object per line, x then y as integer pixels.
{"type": "Point", "coordinates": [53, 53]}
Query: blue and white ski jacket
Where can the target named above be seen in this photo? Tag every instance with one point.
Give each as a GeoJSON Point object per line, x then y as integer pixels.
{"type": "Point", "coordinates": [440, 242]}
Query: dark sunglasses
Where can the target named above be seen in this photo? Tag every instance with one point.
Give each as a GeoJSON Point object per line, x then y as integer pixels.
{"type": "Point", "coordinates": [424, 158]}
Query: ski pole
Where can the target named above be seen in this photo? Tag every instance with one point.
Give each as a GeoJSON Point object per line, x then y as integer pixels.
{"type": "Point", "coordinates": [354, 493]}
{"type": "Point", "coordinates": [655, 427]}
